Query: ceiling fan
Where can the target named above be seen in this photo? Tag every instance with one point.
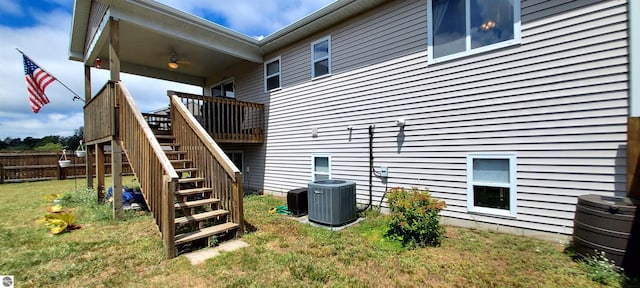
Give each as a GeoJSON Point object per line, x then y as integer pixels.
{"type": "Point", "coordinates": [174, 63]}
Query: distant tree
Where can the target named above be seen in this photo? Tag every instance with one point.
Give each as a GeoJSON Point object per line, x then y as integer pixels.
{"type": "Point", "coordinates": [48, 139]}
{"type": "Point", "coordinates": [29, 143]}
{"type": "Point", "coordinates": [15, 142]}
{"type": "Point", "coordinates": [49, 147]}
{"type": "Point", "coordinates": [72, 142]}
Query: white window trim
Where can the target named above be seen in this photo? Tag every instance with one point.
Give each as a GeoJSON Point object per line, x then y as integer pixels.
{"type": "Point", "coordinates": [279, 74]}
{"type": "Point", "coordinates": [469, 51]}
{"type": "Point", "coordinates": [225, 81]}
{"type": "Point", "coordinates": [512, 212]}
{"type": "Point", "coordinates": [313, 162]}
{"type": "Point", "coordinates": [314, 60]}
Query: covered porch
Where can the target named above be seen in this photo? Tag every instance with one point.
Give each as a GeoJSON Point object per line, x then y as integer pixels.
{"type": "Point", "coordinates": [186, 178]}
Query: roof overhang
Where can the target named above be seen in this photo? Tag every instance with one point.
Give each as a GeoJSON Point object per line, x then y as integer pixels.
{"type": "Point", "coordinates": [149, 31]}
{"type": "Point", "coordinates": [322, 19]}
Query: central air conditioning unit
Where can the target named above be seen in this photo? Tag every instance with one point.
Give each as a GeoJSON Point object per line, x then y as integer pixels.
{"type": "Point", "coordinates": [332, 202]}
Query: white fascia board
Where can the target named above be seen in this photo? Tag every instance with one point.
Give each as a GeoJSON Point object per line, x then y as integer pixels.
{"type": "Point", "coordinates": [100, 39]}
{"type": "Point", "coordinates": [78, 31]}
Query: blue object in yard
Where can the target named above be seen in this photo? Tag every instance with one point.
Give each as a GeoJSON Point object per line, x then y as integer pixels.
{"type": "Point", "coordinates": [128, 195]}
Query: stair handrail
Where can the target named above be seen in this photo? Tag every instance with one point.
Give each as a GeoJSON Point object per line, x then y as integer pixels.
{"type": "Point", "coordinates": [148, 133]}
{"type": "Point", "coordinates": [208, 141]}
{"type": "Point", "coordinates": [144, 151]}
{"type": "Point", "coordinates": [205, 152]}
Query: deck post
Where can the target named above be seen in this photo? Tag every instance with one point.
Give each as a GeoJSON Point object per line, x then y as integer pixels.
{"type": "Point", "coordinates": [116, 149]}
{"type": "Point", "coordinates": [167, 221]}
{"type": "Point", "coordinates": [88, 165]}
{"type": "Point", "coordinates": [100, 171]}
{"type": "Point", "coordinates": [238, 205]}
{"type": "Point", "coordinates": [2, 174]}
{"type": "Point", "coordinates": [116, 176]}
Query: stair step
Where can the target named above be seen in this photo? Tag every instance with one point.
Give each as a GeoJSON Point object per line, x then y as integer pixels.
{"type": "Point", "coordinates": [206, 232]}
{"type": "Point", "coordinates": [182, 170]}
{"type": "Point", "coordinates": [196, 203]}
{"type": "Point", "coordinates": [200, 216]}
{"type": "Point", "coordinates": [162, 132]}
{"type": "Point", "coordinates": [185, 192]}
{"type": "Point", "coordinates": [165, 139]}
{"type": "Point", "coordinates": [171, 152]}
{"type": "Point", "coordinates": [190, 180]}
{"type": "Point", "coordinates": [180, 161]}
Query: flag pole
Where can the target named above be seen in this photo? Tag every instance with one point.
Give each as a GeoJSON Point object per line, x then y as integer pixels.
{"type": "Point", "coordinates": [75, 95]}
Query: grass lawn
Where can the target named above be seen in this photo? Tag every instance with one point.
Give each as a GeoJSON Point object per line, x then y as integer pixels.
{"type": "Point", "coordinates": [282, 252]}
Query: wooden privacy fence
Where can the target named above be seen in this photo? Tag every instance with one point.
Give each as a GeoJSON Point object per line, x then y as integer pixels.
{"type": "Point", "coordinates": [36, 166]}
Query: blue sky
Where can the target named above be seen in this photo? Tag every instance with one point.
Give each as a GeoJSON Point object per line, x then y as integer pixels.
{"type": "Point", "coordinates": [40, 28]}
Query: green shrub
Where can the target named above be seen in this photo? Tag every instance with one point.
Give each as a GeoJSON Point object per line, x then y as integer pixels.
{"type": "Point", "coordinates": [602, 270]}
{"type": "Point", "coordinates": [414, 217]}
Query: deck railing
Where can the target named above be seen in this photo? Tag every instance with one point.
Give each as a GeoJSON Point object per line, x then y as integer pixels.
{"type": "Point", "coordinates": [158, 179]}
{"type": "Point", "coordinates": [226, 120]}
{"type": "Point", "coordinates": [216, 168]}
{"type": "Point", "coordinates": [98, 126]}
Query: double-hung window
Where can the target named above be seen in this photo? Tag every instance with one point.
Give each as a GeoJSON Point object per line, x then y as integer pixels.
{"type": "Point", "coordinates": [272, 79]}
{"type": "Point", "coordinates": [321, 57]}
{"type": "Point", "coordinates": [320, 167]}
{"type": "Point", "coordinates": [491, 184]}
{"type": "Point", "coordinates": [458, 28]}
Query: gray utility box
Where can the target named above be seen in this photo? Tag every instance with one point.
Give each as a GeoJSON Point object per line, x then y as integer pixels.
{"type": "Point", "coordinates": [332, 202]}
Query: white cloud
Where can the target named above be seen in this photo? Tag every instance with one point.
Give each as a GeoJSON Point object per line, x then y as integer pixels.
{"type": "Point", "coordinates": [10, 7]}
{"type": "Point", "coordinates": [254, 18]}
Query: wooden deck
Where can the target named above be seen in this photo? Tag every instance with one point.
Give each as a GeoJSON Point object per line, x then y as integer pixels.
{"type": "Point", "coordinates": [226, 120]}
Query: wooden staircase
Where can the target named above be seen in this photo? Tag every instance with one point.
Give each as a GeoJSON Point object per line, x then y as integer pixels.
{"type": "Point", "coordinates": [192, 189]}
{"type": "Point", "coordinates": [198, 216]}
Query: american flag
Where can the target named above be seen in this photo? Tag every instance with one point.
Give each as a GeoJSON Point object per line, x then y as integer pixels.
{"type": "Point", "coordinates": [37, 81]}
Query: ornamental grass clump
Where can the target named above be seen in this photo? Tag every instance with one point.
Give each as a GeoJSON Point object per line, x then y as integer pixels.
{"type": "Point", "coordinates": [414, 217]}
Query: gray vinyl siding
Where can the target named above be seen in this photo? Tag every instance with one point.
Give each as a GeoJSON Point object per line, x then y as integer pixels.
{"type": "Point", "coordinates": [558, 101]}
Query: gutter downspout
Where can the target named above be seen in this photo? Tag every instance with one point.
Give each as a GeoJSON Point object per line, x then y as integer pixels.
{"type": "Point", "coordinates": [633, 123]}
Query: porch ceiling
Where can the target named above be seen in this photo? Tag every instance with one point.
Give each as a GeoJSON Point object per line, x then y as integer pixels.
{"type": "Point", "coordinates": [150, 31]}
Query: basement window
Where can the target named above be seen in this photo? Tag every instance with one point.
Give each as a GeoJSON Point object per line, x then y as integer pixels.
{"type": "Point", "coordinates": [320, 167]}
{"type": "Point", "coordinates": [491, 184]}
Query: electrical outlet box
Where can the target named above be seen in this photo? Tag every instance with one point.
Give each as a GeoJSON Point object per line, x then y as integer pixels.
{"type": "Point", "coordinates": [384, 171]}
